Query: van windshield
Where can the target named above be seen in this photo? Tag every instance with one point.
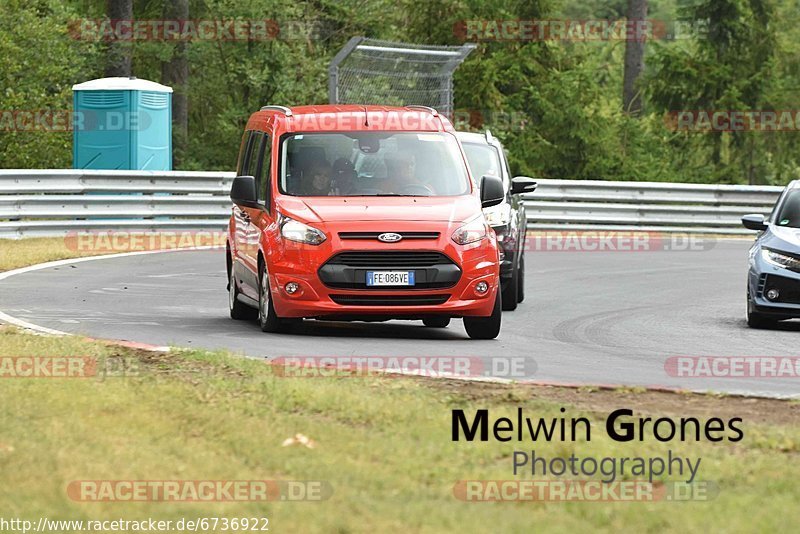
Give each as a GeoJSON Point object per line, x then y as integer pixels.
{"type": "Point", "coordinates": [372, 164]}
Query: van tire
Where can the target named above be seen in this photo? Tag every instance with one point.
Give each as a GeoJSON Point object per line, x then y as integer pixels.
{"type": "Point", "coordinates": [268, 319]}
{"type": "Point", "coordinates": [486, 327]}
{"type": "Point", "coordinates": [511, 290]}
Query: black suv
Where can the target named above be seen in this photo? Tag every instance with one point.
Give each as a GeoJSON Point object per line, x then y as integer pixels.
{"type": "Point", "coordinates": [486, 156]}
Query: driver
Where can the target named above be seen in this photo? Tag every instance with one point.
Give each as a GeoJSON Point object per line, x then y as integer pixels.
{"type": "Point", "coordinates": [400, 174]}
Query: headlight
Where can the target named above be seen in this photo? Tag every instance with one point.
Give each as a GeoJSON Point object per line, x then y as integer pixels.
{"type": "Point", "coordinates": [471, 231]}
{"type": "Point", "coordinates": [781, 260]}
{"type": "Point", "coordinates": [299, 232]}
{"type": "Point", "coordinates": [499, 215]}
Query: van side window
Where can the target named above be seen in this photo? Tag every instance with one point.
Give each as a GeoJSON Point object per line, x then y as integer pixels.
{"type": "Point", "coordinates": [263, 176]}
{"type": "Point", "coordinates": [248, 161]}
{"type": "Point", "coordinates": [242, 153]}
{"type": "Point", "coordinates": [251, 161]}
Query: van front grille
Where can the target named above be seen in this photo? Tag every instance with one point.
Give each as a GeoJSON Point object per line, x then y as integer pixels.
{"type": "Point", "coordinates": [390, 259]}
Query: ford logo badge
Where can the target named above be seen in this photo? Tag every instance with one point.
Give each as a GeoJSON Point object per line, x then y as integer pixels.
{"type": "Point", "coordinates": [390, 237]}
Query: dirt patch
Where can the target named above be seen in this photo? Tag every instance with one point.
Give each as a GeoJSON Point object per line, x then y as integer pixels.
{"type": "Point", "coordinates": [642, 402]}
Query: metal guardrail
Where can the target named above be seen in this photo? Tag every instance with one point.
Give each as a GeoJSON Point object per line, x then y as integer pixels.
{"type": "Point", "coordinates": [647, 206]}
{"type": "Point", "coordinates": [56, 202]}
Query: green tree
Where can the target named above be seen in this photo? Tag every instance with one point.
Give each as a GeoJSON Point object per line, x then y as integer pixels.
{"type": "Point", "coordinates": [39, 61]}
{"type": "Point", "coordinates": [729, 68]}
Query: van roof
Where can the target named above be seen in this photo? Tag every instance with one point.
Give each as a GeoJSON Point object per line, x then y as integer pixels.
{"type": "Point", "coordinates": [350, 117]}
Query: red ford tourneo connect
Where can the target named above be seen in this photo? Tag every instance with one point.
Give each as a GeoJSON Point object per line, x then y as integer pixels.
{"type": "Point", "coordinates": [363, 213]}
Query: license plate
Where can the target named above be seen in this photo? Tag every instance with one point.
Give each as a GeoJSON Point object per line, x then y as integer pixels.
{"type": "Point", "coordinates": [390, 278]}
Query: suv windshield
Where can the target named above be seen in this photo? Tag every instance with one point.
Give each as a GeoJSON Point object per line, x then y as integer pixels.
{"type": "Point", "coordinates": [790, 211]}
{"type": "Point", "coordinates": [482, 160]}
{"type": "Point", "coordinates": [372, 164]}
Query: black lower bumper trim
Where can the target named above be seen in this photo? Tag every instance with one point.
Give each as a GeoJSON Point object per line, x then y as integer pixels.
{"type": "Point", "coordinates": [390, 300]}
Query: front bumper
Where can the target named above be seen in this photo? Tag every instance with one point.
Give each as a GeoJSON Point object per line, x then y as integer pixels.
{"type": "Point", "coordinates": [334, 290]}
{"type": "Point", "coordinates": [764, 276]}
{"type": "Point", "coordinates": [507, 243]}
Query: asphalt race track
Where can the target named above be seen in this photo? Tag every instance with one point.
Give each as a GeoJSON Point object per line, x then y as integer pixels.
{"type": "Point", "coordinates": [589, 317]}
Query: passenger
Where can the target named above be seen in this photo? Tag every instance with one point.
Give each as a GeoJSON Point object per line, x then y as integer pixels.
{"type": "Point", "coordinates": [318, 181]}
{"type": "Point", "coordinates": [344, 175]}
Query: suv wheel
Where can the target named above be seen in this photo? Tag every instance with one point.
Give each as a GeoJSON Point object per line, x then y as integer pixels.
{"type": "Point", "coordinates": [268, 320]}
{"type": "Point", "coordinates": [521, 278]}
{"type": "Point", "coordinates": [239, 310]}
{"type": "Point", "coordinates": [436, 322]}
{"type": "Point", "coordinates": [511, 290]}
{"type": "Point", "coordinates": [486, 327]}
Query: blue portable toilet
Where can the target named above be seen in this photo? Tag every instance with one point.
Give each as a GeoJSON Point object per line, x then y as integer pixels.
{"type": "Point", "coordinates": [122, 123]}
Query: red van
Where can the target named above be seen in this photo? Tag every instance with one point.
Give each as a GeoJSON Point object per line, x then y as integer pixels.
{"type": "Point", "coordinates": [364, 213]}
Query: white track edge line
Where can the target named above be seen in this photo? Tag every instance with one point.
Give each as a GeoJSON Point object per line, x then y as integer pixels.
{"type": "Point", "coordinates": [4, 317]}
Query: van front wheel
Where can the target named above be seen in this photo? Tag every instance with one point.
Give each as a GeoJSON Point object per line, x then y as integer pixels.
{"type": "Point", "coordinates": [486, 327]}
{"type": "Point", "coordinates": [268, 319]}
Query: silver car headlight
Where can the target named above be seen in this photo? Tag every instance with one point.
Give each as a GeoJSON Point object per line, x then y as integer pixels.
{"type": "Point", "coordinates": [780, 260]}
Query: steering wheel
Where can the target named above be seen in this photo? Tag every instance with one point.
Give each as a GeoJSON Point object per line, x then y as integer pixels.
{"type": "Point", "coordinates": [413, 189]}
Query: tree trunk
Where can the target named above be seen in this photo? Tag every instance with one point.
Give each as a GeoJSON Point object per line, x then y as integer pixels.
{"type": "Point", "coordinates": [634, 57]}
{"type": "Point", "coordinates": [118, 54]}
{"type": "Point", "coordinates": [175, 73]}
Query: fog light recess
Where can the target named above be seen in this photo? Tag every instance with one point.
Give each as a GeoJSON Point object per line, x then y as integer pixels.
{"type": "Point", "coordinates": [292, 288]}
{"type": "Point", "coordinates": [773, 294]}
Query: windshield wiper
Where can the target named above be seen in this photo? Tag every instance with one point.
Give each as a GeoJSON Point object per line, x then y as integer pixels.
{"type": "Point", "coordinates": [394, 195]}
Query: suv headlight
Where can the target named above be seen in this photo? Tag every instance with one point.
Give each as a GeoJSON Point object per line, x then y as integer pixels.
{"type": "Point", "coordinates": [471, 231]}
{"type": "Point", "coordinates": [499, 215]}
{"type": "Point", "coordinates": [781, 260]}
{"type": "Point", "coordinates": [299, 232]}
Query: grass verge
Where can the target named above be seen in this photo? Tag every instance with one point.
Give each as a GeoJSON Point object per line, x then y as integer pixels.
{"type": "Point", "coordinates": [382, 444]}
{"type": "Point", "coordinates": [22, 252]}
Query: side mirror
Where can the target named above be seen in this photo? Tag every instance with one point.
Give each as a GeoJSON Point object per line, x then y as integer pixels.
{"type": "Point", "coordinates": [492, 192]}
{"type": "Point", "coordinates": [754, 222]}
{"type": "Point", "coordinates": [522, 184]}
{"type": "Point", "coordinates": [243, 192]}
